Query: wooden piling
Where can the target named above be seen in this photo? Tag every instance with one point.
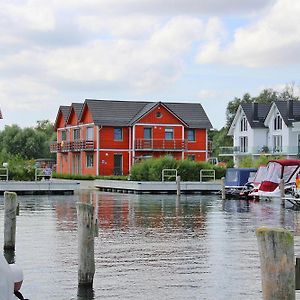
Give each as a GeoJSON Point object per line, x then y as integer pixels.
{"type": "Point", "coordinates": [223, 188]}
{"type": "Point", "coordinates": [276, 250]}
{"type": "Point", "coordinates": [178, 185]}
{"type": "Point", "coordinates": [86, 260]}
{"type": "Point", "coordinates": [297, 274]}
{"type": "Point", "coordinates": [10, 220]}
{"type": "Point", "coordinates": [282, 193]}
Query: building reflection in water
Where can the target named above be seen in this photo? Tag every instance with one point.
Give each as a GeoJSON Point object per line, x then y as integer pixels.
{"type": "Point", "coordinates": [123, 211]}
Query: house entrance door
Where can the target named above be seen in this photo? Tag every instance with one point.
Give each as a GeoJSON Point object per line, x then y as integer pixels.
{"type": "Point", "coordinates": [118, 161]}
{"type": "Point", "coordinates": [76, 164]}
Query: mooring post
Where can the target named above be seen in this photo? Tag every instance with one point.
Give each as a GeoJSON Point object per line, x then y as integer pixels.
{"type": "Point", "coordinates": [223, 188]}
{"type": "Point", "coordinates": [282, 193]}
{"type": "Point", "coordinates": [297, 274]}
{"type": "Point", "coordinates": [86, 260]}
{"type": "Point", "coordinates": [10, 220]}
{"type": "Point", "coordinates": [178, 185]}
{"type": "Point", "coordinates": [276, 250]}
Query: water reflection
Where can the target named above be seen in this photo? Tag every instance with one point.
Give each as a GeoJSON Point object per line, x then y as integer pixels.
{"type": "Point", "coordinates": [149, 246]}
{"type": "Point", "coordinates": [85, 293]}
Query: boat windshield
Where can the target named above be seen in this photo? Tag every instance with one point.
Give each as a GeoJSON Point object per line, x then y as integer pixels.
{"type": "Point", "coordinates": [232, 176]}
{"type": "Point", "coordinates": [289, 173]}
{"type": "Point", "coordinates": [260, 175]}
{"type": "Point", "coordinates": [273, 172]}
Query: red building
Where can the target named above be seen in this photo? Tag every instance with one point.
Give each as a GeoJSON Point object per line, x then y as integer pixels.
{"type": "Point", "coordinates": [103, 137]}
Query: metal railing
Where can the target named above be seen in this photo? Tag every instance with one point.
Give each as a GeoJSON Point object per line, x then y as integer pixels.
{"type": "Point", "coordinates": [207, 173]}
{"type": "Point", "coordinates": [168, 174]}
{"type": "Point", "coordinates": [160, 144]}
{"type": "Point", "coordinates": [289, 150]}
{"type": "Point", "coordinates": [42, 173]}
{"type": "Point", "coordinates": [4, 174]}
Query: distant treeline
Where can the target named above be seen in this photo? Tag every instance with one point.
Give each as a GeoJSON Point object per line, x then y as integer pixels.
{"type": "Point", "coordinates": [19, 147]}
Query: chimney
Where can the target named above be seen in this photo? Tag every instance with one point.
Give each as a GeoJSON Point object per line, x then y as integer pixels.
{"type": "Point", "coordinates": [290, 113]}
{"type": "Point", "coordinates": [255, 111]}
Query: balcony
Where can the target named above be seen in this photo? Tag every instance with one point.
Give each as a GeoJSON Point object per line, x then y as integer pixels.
{"type": "Point", "coordinates": [66, 146]}
{"type": "Point", "coordinates": [236, 151]}
{"type": "Point", "coordinates": [160, 145]}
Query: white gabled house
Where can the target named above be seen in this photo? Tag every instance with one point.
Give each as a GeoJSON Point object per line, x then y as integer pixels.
{"type": "Point", "coordinates": [259, 128]}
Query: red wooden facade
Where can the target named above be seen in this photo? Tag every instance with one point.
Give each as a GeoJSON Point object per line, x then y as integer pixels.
{"type": "Point", "coordinates": [84, 147]}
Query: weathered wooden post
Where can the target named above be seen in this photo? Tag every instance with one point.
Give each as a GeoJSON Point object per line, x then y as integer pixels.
{"type": "Point", "coordinates": [86, 260]}
{"type": "Point", "coordinates": [297, 273]}
{"type": "Point", "coordinates": [276, 250]}
{"type": "Point", "coordinates": [223, 188]}
{"type": "Point", "coordinates": [10, 220]}
{"type": "Point", "coordinates": [178, 185]}
{"type": "Point", "coordinates": [282, 193]}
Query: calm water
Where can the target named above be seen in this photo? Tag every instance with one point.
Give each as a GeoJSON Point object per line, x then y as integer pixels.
{"type": "Point", "coordinates": [149, 247]}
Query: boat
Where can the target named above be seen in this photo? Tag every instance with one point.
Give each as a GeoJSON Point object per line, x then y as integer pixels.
{"type": "Point", "coordinates": [276, 170]}
{"type": "Point", "coordinates": [236, 179]}
{"type": "Point", "coordinates": [253, 185]}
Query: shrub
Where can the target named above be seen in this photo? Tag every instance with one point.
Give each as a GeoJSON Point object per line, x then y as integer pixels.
{"type": "Point", "coordinates": [151, 170]}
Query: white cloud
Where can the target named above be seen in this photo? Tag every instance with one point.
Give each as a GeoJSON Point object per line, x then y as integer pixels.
{"type": "Point", "coordinates": [206, 94]}
{"type": "Point", "coordinates": [27, 94]}
{"type": "Point", "coordinates": [133, 27]}
{"type": "Point", "coordinates": [140, 64]}
{"type": "Point", "coordinates": [272, 40]}
{"type": "Point", "coordinates": [32, 15]}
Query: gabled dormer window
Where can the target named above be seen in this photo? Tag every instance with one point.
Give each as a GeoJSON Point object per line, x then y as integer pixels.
{"type": "Point", "coordinates": [244, 124]}
{"type": "Point", "coordinates": [277, 122]}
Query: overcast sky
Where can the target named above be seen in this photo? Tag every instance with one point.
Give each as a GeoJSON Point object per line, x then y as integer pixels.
{"type": "Point", "coordinates": [55, 52]}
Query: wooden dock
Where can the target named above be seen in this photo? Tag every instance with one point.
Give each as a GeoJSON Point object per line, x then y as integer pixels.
{"type": "Point", "coordinates": [157, 187]}
{"type": "Point", "coordinates": [44, 187]}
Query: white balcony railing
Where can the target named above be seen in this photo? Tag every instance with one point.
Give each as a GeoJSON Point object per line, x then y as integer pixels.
{"type": "Point", "coordinates": [236, 150]}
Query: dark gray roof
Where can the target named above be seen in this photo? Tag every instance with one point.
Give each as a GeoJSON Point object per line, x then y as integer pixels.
{"type": "Point", "coordinates": [191, 113]}
{"type": "Point", "coordinates": [262, 110]}
{"type": "Point", "coordinates": [124, 113]}
{"type": "Point", "coordinates": [113, 113]}
{"type": "Point", "coordinates": [143, 111]}
{"type": "Point", "coordinates": [289, 110]}
{"type": "Point", "coordinates": [77, 108]}
{"type": "Point", "coordinates": [65, 111]}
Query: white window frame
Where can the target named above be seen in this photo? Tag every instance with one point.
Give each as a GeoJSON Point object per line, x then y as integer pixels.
{"type": "Point", "coordinates": [169, 130]}
{"type": "Point", "coordinates": [277, 124]}
{"type": "Point", "coordinates": [243, 124]}
{"type": "Point", "coordinates": [244, 144]}
{"type": "Point", "coordinates": [277, 143]}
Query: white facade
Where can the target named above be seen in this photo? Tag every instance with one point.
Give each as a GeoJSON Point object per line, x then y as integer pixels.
{"type": "Point", "coordinates": [276, 138]}
{"type": "Point", "coordinates": [256, 137]}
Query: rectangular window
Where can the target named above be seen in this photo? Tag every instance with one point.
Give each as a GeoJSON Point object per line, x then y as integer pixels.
{"type": "Point", "coordinates": [277, 123]}
{"type": "Point", "coordinates": [118, 134]}
{"type": "Point", "coordinates": [169, 134]}
{"type": "Point", "coordinates": [244, 144]}
{"type": "Point", "coordinates": [64, 135]}
{"type": "Point", "coordinates": [191, 157]}
{"type": "Point", "coordinates": [191, 135]}
{"type": "Point", "coordinates": [76, 134]}
{"type": "Point", "coordinates": [147, 133]}
{"type": "Point", "coordinates": [244, 124]}
{"type": "Point", "coordinates": [89, 160]}
{"type": "Point", "coordinates": [277, 140]}
{"type": "Point", "coordinates": [90, 133]}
